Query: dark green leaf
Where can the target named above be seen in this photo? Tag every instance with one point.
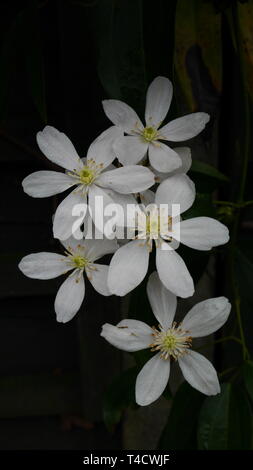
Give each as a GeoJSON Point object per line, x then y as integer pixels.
{"type": "Point", "coordinates": [117, 28]}
{"type": "Point", "coordinates": [119, 396]}
{"type": "Point", "coordinates": [180, 430]}
{"type": "Point", "coordinates": [225, 421]}
{"type": "Point", "coordinates": [248, 377]}
{"type": "Point", "coordinates": [209, 170]}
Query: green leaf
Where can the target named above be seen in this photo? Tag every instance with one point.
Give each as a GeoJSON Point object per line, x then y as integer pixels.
{"type": "Point", "coordinates": [117, 27]}
{"type": "Point", "coordinates": [225, 420]}
{"type": "Point", "coordinates": [209, 170]}
{"type": "Point", "coordinates": [119, 396]}
{"type": "Point", "coordinates": [180, 430]}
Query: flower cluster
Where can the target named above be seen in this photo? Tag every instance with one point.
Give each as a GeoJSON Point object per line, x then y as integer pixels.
{"type": "Point", "coordinates": [150, 177]}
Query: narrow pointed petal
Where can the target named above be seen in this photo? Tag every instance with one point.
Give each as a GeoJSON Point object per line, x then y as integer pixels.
{"type": "Point", "coordinates": [128, 267]}
{"type": "Point", "coordinates": [122, 115]}
{"type": "Point", "coordinates": [162, 301]}
{"type": "Point", "coordinates": [173, 272]}
{"type": "Point", "coordinates": [46, 183]}
{"type": "Point", "coordinates": [152, 380]}
{"type": "Point", "coordinates": [128, 335]}
{"type": "Point", "coordinates": [163, 158]}
{"type": "Point", "coordinates": [159, 96]}
{"type": "Point", "coordinates": [44, 265]}
{"type": "Point", "coordinates": [199, 373]}
{"type": "Point", "coordinates": [207, 317]}
{"type": "Point", "coordinates": [185, 127]}
{"type": "Point", "coordinates": [69, 297]}
{"type": "Point", "coordinates": [101, 150]}
{"type": "Point", "coordinates": [177, 189]}
{"type": "Point", "coordinates": [127, 179]}
{"type": "Point", "coordinates": [98, 278]}
{"type": "Point", "coordinates": [58, 148]}
{"type": "Point", "coordinates": [64, 219]}
{"type": "Point", "coordinates": [130, 149]}
{"type": "Point", "coordinates": [202, 233]}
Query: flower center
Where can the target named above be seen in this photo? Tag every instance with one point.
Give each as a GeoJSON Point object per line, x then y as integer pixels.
{"type": "Point", "coordinates": [86, 175]}
{"type": "Point", "coordinates": [149, 133]}
{"type": "Point", "coordinates": [172, 342]}
{"type": "Point", "coordinates": [79, 262]}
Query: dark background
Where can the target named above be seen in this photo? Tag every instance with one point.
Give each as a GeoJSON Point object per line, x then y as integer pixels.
{"type": "Point", "coordinates": [58, 60]}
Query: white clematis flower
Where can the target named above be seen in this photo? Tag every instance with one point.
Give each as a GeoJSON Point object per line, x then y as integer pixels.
{"type": "Point", "coordinates": [170, 341]}
{"type": "Point", "coordinates": [80, 257]}
{"type": "Point", "coordinates": [88, 176]}
{"type": "Point", "coordinates": [142, 139]}
{"type": "Point", "coordinates": [129, 264]}
{"type": "Point", "coordinates": [186, 162]}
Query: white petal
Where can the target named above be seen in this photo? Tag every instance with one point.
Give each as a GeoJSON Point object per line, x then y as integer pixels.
{"type": "Point", "coordinates": [130, 149]}
{"type": "Point", "coordinates": [128, 335]}
{"type": "Point", "coordinates": [173, 272]}
{"type": "Point", "coordinates": [202, 233]}
{"type": "Point", "coordinates": [98, 278]}
{"type": "Point", "coordinates": [128, 267]}
{"type": "Point", "coordinates": [177, 189]}
{"type": "Point", "coordinates": [69, 297]}
{"type": "Point", "coordinates": [185, 127]}
{"type": "Point", "coordinates": [163, 158]}
{"type": "Point", "coordinates": [200, 373]}
{"type": "Point", "coordinates": [58, 148]}
{"type": "Point", "coordinates": [44, 265]}
{"type": "Point", "coordinates": [63, 219]}
{"type": "Point", "coordinates": [152, 380]}
{"type": "Point", "coordinates": [122, 115]}
{"type": "Point", "coordinates": [127, 179]}
{"type": "Point", "coordinates": [147, 197]}
{"type": "Point", "coordinates": [101, 150]}
{"type": "Point", "coordinates": [98, 201]}
{"type": "Point", "coordinates": [159, 96]}
{"type": "Point", "coordinates": [162, 301]}
{"type": "Point", "coordinates": [206, 317]}
{"type": "Point", "coordinates": [186, 159]}
{"type": "Point", "coordinates": [97, 248]}
{"type": "Point", "coordinates": [46, 183]}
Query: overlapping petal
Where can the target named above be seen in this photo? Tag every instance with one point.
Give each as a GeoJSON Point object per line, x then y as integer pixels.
{"type": "Point", "coordinates": [101, 150]}
{"type": "Point", "coordinates": [64, 218]}
{"type": "Point", "coordinates": [177, 189]}
{"type": "Point", "coordinates": [130, 149]}
{"type": "Point", "coordinates": [163, 158]}
{"type": "Point", "coordinates": [173, 272]}
{"type": "Point", "coordinates": [127, 179]}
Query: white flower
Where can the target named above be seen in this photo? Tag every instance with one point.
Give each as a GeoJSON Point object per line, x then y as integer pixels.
{"type": "Point", "coordinates": [132, 148]}
{"type": "Point", "coordinates": [88, 177]}
{"type": "Point", "coordinates": [186, 162]}
{"type": "Point", "coordinates": [170, 341]}
{"type": "Point", "coordinates": [79, 258]}
{"type": "Point", "coordinates": [129, 264]}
